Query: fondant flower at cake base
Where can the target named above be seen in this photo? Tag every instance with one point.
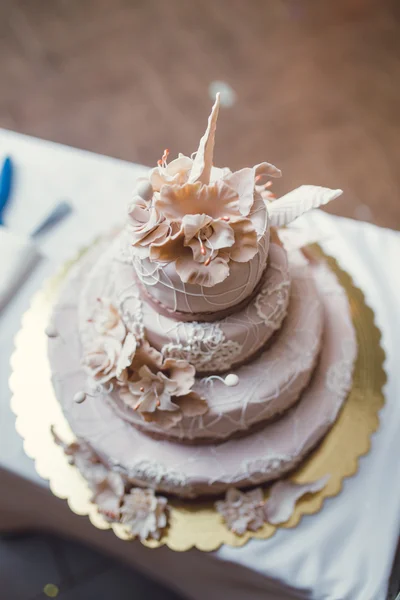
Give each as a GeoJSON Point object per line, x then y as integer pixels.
{"type": "Point", "coordinates": [107, 487]}
{"type": "Point", "coordinates": [247, 511]}
{"type": "Point", "coordinates": [242, 511]}
{"type": "Point", "coordinates": [108, 495]}
{"type": "Point", "coordinates": [160, 390]}
{"type": "Point", "coordinates": [144, 513]}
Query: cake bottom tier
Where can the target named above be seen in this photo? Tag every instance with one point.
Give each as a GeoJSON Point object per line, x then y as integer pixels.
{"type": "Point", "coordinates": [191, 471]}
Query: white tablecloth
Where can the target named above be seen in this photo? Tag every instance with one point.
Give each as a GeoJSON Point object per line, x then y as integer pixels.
{"type": "Point", "coordinates": [343, 553]}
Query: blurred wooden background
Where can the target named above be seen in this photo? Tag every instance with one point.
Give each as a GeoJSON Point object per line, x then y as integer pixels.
{"type": "Point", "coordinates": [316, 85]}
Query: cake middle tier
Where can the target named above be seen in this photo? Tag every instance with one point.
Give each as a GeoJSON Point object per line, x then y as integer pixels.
{"type": "Point", "coordinates": [211, 347]}
{"type": "Point", "coordinates": [161, 285]}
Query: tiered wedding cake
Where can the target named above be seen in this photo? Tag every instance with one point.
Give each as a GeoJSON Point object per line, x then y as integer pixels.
{"type": "Point", "coordinates": [194, 351]}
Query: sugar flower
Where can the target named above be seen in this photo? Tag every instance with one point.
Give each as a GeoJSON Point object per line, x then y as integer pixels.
{"type": "Point", "coordinates": [100, 359]}
{"type": "Point", "coordinates": [160, 390]}
{"type": "Point", "coordinates": [106, 320]}
{"type": "Point", "coordinates": [144, 513]}
{"type": "Point", "coordinates": [146, 225]}
{"type": "Point", "coordinates": [200, 217]}
{"type": "Point", "coordinates": [107, 487]}
{"type": "Point", "coordinates": [242, 511]}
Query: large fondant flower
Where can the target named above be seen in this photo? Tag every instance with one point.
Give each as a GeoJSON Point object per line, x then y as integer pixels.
{"type": "Point", "coordinates": [107, 487]}
{"type": "Point", "coordinates": [211, 232]}
{"type": "Point", "coordinates": [200, 217]}
{"type": "Point", "coordinates": [144, 513]}
{"type": "Point", "coordinates": [146, 225]}
{"type": "Point", "coordinates": [108, 346]}
{"type": "Point", "coordinates": [217, 200]}
{"type": "Point", "coordinates": [160, 390]}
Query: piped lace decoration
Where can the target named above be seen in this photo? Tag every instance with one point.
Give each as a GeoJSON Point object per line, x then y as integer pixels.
{"type": "Point", "coordinates": [206, 348]}
{"type": "Point", "coordinates": [271, 309]}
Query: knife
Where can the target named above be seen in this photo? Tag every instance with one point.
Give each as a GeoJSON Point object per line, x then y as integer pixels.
{"type": "Point", "coordinates": [57, 214]}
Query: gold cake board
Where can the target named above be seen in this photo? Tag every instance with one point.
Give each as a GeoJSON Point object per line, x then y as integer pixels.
{"type": "Point", "coordinates": [193, 523]}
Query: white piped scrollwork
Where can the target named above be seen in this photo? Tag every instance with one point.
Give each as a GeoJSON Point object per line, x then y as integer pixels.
{"type": "Point", "coordinates": [130, 308]}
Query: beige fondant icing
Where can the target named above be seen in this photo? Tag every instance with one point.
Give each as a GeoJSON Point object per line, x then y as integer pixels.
{"type": "Point", "coordinates": [210, 469]}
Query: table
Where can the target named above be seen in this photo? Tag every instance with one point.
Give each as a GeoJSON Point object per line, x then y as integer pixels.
{"type": "Point", "coordinates": [343, 553]}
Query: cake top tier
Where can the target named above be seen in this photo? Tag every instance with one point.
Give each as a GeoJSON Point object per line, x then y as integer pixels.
{"type": "Point", "coordinates": [198, 235]}
{"type": "Point", "coordinates": [199, 217]}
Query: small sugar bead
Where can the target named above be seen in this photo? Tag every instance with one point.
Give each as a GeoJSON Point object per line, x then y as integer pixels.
{"type": "Point", "coordinates": [51, 331]}
{"type": "Point", "coordinates": [145, 190]}
{"type": "Point", "coordinates": [231, 380]}
{"type": "Point", "coordinates": [79, 397]}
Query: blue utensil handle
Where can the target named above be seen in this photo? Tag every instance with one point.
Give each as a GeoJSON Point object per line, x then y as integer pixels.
{"type": "Point", "coordinates": [59, 212]}
{"type": "Point", "coordinates": [6, 177]}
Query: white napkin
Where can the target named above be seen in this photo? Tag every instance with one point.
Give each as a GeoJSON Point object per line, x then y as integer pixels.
{"type": "Point", "coordinates": [18, 254]}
